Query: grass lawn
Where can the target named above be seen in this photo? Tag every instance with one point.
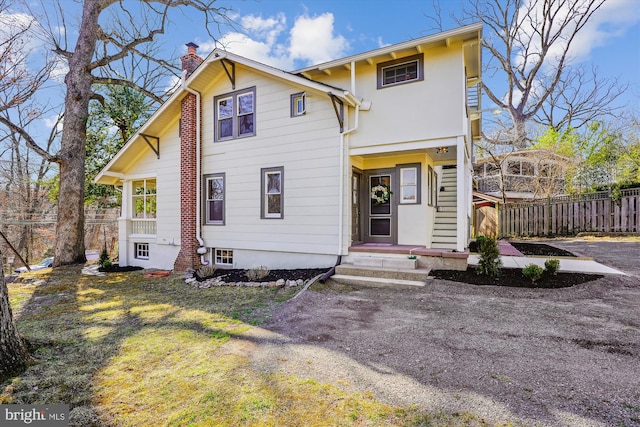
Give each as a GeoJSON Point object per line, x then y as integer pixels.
{"type": "Point", "coordinates": [127, 351]}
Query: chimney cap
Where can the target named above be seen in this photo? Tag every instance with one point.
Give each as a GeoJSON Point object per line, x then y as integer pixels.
{"type": "Point", "coordinates": [192, 45]}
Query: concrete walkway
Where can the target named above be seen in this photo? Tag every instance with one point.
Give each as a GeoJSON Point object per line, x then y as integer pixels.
{"type": "Point", "coordinates": [512, 258]}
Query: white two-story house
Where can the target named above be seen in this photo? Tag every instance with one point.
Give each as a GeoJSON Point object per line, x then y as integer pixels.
{"type": "Point", "coordinates": [248, 165]}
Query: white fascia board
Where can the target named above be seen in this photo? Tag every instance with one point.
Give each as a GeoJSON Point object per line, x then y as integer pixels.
{"type": "Point", "coordinates": [477, 27]}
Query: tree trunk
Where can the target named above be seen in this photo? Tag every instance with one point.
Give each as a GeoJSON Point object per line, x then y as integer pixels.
{"type": "Point", "coordinates": [70, 226]}
{"type": "Point", "coordinates": [14, 356]}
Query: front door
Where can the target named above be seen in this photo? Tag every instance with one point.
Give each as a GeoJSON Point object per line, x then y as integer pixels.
{"type": "Point", "coordinates": [380, 213]}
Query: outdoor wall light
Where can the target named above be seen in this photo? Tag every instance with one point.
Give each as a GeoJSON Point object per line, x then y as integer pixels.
{"type": "Point", "coordinates": [442, 150]}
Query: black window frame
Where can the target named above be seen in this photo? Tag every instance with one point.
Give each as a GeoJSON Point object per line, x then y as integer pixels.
{"type": "Point", "coordinates": [205, 198]}
{"type": "Point", "coordinates": [398, 64]}
{"type": "Point", "coordinates": [235, 115]}
{"type": "Point", "coordinates": [263, 194]}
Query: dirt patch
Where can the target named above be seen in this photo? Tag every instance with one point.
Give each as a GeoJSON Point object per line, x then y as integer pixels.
{"type": "Point", "coordinates": [513, 277]}
{"type": "Point", "coordinates": [543, 357]}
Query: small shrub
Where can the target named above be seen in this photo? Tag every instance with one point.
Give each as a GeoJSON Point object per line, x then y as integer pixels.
{"type": "Point", "coordinates": [490, 263]}
{"type": "Point", "coordinates": [532, 272]}
{"type": "Point", "coordinates": [205, 271]}
{"type": "Point", "coordinates": [256, 274]}
{"type": "Point", "coordinates": [552, 266]}
{"type": "Point", "coordinates": [104, 257]}
{"type": "Point", "coordinates": [106, 264]}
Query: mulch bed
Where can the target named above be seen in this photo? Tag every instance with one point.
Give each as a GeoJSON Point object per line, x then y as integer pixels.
{"type": "Point", "coordinates": [115, 268]}
{"type": "Point", "coordinates": [513, 277]}
{"type": "Point", "coordinates": [238, 275]}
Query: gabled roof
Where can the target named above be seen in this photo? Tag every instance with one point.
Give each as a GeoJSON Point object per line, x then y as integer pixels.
{"type": "Point", "coordinates": [469, 35]}
{"type": "Point", "coordinates": [167, 113]}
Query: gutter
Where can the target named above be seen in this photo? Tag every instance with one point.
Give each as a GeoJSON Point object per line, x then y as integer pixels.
{"type": "Point", "coordinates": [202, 250]}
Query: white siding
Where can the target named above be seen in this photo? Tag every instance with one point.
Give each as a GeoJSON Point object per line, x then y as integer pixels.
{"type": "Point", "coordinates": [307, 147]}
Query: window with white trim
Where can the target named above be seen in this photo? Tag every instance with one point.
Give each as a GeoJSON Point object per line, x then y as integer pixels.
{"type": "Point", "coordinates": [214, 199]}
{"type": "Point", "coordinates": [400, 71]}
{"type": "Point", "coordinates": [298, 104]}
{"type": "Point", "coordinates": [432, 177]}
{"type": "Point", "coordinates": [272, 201]}
{"type": "Point", "coordinates": [235, 114]}
{"type": "Point", "coordinates": [410, 188]}
{"type": "Point", "coordinates": [144, 199]}
{"type": "Point", "coordinates": [223, 257]}
{"type": "Point", "coordinates": [141, 250]}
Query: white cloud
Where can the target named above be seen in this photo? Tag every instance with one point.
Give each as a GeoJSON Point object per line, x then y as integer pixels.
{"type": "Point", "coordinates": [313, 40]}
{"type": "Point", "coordinates": [609, 22]}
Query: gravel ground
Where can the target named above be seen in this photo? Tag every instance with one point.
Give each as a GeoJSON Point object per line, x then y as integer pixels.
{"type": "Point", "coordinates": [551, 357]}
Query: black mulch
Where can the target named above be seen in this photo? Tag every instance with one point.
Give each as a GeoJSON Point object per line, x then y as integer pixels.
{"type": "Point", "coordinates": [540, 249]}
{"type": "Point", "coordinates": [513, 277]}
{"type": "Point", "coordinates": [237, 275]}
{"type": "Point", "coordinates": [115, 268]}
{"type": "Point", "coordinates": [527, 248]}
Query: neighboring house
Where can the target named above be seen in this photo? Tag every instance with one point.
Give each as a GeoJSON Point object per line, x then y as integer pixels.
{"type": "Point", "coordinates": [248, 165]}
{"type": "Point", "coordinates": [513, 177]}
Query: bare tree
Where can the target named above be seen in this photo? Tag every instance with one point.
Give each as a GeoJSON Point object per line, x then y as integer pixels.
{"type": "Point", "coordinates": [529, 44]}
{"type": "Point", "coordinates": [111, 36]}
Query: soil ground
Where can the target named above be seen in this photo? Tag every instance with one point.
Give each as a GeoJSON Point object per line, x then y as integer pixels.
{"type": "Point", "coordinates": [550, 357]}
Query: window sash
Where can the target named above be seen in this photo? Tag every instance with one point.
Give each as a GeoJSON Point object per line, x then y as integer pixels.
{"type": "Point", "coordinates": [214, 199]}
{"type": "Point", "coordinates": [409, 185]}
{"type": "Point", "coordinates": [235, 115]}
{"type": "Point", "coordinates": [143, 199]}
{"type": "Point", "coordinates": [399, 71]}
{"type": "Point", "coordinates": [298, 104]}
{"type": "Point", "coordinates": [272, 193]}
{"type": "Point", "coordinates": [141, 250]}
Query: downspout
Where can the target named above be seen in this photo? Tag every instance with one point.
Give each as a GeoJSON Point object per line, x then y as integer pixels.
{"type": "Point", "coordinates": [202, 250]}
{"type": "Point", "coordinates": [342, 149]}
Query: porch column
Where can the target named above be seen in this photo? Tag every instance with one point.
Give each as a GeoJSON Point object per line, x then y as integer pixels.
{"type": "Point", "coordinates": [124, 224]}
{"type": "Point", "coordinates": [461, 195]}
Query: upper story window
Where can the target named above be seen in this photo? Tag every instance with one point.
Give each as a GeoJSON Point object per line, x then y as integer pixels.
{"type": "Point", "coordinates": [144, 199]}
{"type": "Point", "coordinates": [298, 104]}
{"type": "Point", "coordinates": [235, 114]}
{"type": "Point", "coordinates": [402, 70]}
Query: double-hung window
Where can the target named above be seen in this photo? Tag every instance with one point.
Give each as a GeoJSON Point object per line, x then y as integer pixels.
{"type": "Point", "coordinates": [272, 201]}
{"type": "Point", "coordinates": [235, 114]}
{"type": "Point", "coordinates": [214, 199]}
{"type": "Point", "coordinates": [410, 184]}
{"type": "Point", "coordinates": [402, 70]}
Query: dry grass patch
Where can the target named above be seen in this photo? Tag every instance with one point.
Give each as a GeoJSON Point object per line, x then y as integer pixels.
{"type": "Point", "coordinates": [128, 351]}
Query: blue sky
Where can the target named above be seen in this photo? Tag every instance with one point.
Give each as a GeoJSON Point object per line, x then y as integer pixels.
{"type": "Point", "coordinates": [291, 34]}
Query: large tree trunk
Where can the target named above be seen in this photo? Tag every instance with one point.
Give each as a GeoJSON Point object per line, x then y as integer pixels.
{"type": "Point", "coordinates": [70, 226]}
{"type": "Point", "coordinates": [14, 356]}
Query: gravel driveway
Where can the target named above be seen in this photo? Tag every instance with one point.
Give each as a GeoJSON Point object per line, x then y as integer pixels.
{"type": "Point", "coordinates": [540, 357]}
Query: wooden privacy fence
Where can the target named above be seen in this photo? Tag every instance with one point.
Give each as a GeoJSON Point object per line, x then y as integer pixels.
{"type": "Point", "coordinates": [570, 215]}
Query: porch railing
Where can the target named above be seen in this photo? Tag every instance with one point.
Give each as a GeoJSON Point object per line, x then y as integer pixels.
{"type": "Point", "coordinates": [143, 226]}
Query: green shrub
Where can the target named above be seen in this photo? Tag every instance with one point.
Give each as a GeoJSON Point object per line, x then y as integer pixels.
{"type": "Point", "coordinates": [107, 264]}
{"type": "Point", "coordinates": [552, 266]}
{"type": "Point", "coordinates": [104, 257]}
{"type": "Point", "coordinates": [533, 272]}
{"type": "Point", "coordinates": [490, 263]}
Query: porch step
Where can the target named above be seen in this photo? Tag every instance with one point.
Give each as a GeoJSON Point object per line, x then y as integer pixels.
{"type": "Point", "coordinates": [383, 273]}
{"type": "Point", "coordinates": [403, 263]}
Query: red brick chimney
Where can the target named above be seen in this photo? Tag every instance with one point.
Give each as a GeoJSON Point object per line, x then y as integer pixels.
{"type": "Point", "coordinates": [188, 256]}
{"type": "Point", "coordinates": [191, 60]}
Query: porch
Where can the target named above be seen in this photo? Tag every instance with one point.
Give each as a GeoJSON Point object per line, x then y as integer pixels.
{"type": "Point", "coordinates": [381, 264]}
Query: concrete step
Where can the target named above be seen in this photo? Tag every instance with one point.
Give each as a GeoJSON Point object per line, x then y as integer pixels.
{"type": "Point", "coordinates": [443, 232]}
{"type": "Point", "coordinates": [402, 263]}
{"type": "Point", "coordinates": [417, 274]}
{"type": "Point", "coordinates": [374, 281]}
{"type": "Point", "coordinates": [443, 245]}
